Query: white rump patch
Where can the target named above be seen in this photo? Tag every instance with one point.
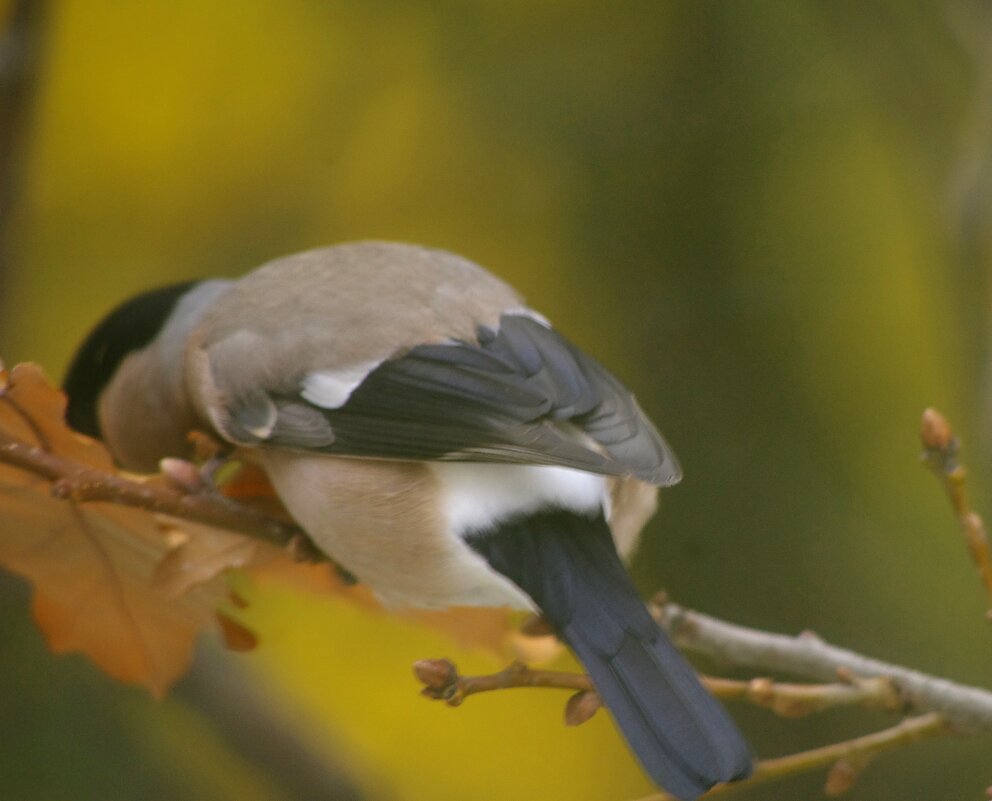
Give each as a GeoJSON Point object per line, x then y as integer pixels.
{"type": "Point", "coordinates": [330, 389]}
{"type": "Point", "coordinates": [478, 497]}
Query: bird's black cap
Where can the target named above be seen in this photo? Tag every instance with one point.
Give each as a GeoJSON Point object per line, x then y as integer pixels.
{"type": "Point", "coordinates": [129, 327]}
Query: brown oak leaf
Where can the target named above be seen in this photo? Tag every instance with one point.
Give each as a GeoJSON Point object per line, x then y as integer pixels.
{"type": "Point", "coordinates": [111, 582]}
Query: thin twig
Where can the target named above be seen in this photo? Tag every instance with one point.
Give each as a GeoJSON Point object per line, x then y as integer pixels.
{"type": "Point", "coordinates": [798, 700]}
{"type": "Point", "coordinates": [966, 708]}
{"type": "Point", "coordinates": [82, 483]}
{"type": "Point", "coordinates": [846, 759]}
{"type": "Point", "coordinates": [443, 682]}
{"type": "Point", "coordinates": [851, 756]}
{"type": "Point", "coordinates": [940, 454]}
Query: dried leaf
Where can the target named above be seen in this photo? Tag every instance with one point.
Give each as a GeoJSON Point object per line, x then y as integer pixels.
{"type": "Point", "coordinates": [33, 411]}
{"type": "Point", "coordinates": [237, 636]}
{"type": "Point", "coordinates": [247, 483]}
{"type": "Point", "coordinates": [91, 568]}
{"type": "Point", "coordinates": [202, 554]}
{"type": "Point", "coordinates": [91, 565]}
{"type": "Point", "coordinates": [237, 599]}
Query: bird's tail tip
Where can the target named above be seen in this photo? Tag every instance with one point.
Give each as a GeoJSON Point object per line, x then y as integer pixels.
{"type": "Point", "coordinates": [683, 737]}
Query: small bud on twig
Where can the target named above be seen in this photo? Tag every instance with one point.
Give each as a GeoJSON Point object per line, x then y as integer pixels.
{"type": "Point", "coordinates": [183, 475]}
{"type": "Point", "coordinates": [935, 431]}
{"type": "Point", "coordinates": [437, 675]}
{"type": "Point", "coordinates": [582, 706]}
{"type": "Point", "coordinates": [842, 777]}
{"type": "Point", "coordinates": [941, 455]}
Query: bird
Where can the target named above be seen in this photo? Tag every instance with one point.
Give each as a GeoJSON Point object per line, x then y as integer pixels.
{"type": "Point", "coordinates": [435, 437]}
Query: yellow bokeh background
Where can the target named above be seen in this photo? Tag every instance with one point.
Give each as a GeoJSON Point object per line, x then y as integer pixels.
{"type": "Point", "coordinates": [770, 219]}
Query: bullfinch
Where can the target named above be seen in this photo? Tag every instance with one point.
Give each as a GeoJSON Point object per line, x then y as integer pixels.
{"type": "Point", "coordinates": [435, 437]}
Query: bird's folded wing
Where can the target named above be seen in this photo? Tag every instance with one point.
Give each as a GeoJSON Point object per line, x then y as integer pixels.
{"type": "Point", "coordinates": [521, 394]}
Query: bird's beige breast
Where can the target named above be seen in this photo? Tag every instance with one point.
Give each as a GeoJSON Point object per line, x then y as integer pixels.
{"type": "Point", "coordinates": [383, 522]}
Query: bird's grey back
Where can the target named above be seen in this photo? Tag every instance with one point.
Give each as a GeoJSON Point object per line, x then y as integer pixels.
{"type": "Point", "coordinates": [335, 307]}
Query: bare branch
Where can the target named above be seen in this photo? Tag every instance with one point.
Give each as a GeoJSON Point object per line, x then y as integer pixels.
{"type": "Point", "coordinates": [965, 708]}
{"type": "Point", "coordinates": [798, 700]}
{"type": "Point", "coordinates": [941, 455]}
{"type": "Point", "coordinates": [83, 483]}
{"type": "Point", "coordinates": [443, 682]}
{"type": "Point", "coordinates": [845, 759]}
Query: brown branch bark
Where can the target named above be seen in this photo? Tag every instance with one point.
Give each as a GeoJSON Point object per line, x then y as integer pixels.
{"type": "Point", "coordinates": [965, 708]}
{"type": "Point", "coordinates": [443, 682]}
{"type": "Point", "coordinates": [846, 760]}
{"type": "Point", "coordinates": [941, 454]}
{"type": "Point", "coordinates": [82, 483]}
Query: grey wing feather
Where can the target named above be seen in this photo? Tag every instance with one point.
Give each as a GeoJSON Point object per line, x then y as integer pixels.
{"type": "Point", "coordinates": [522, 394]}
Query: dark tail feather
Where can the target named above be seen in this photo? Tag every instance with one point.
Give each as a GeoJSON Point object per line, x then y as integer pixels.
{"type": "Point", "coordinates": [568, 565]}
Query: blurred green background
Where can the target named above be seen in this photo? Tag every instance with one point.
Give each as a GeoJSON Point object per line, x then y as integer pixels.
{"type": "Point", "coordinates": [770, 218]}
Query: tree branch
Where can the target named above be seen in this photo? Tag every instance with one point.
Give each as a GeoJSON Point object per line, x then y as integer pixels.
{"type": "Point", "coordinates": [82, 483]}
{"type": "Point", "coordinates": [443, 682]}
{"type": "Point", "coordinates": [940, 454]}
{"type": "Point", "coordinates": [846, 759]}
{"type": "Point", "coordinates": [798, 700]}
{"type": "Point", "coordinates": [965, 708]}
